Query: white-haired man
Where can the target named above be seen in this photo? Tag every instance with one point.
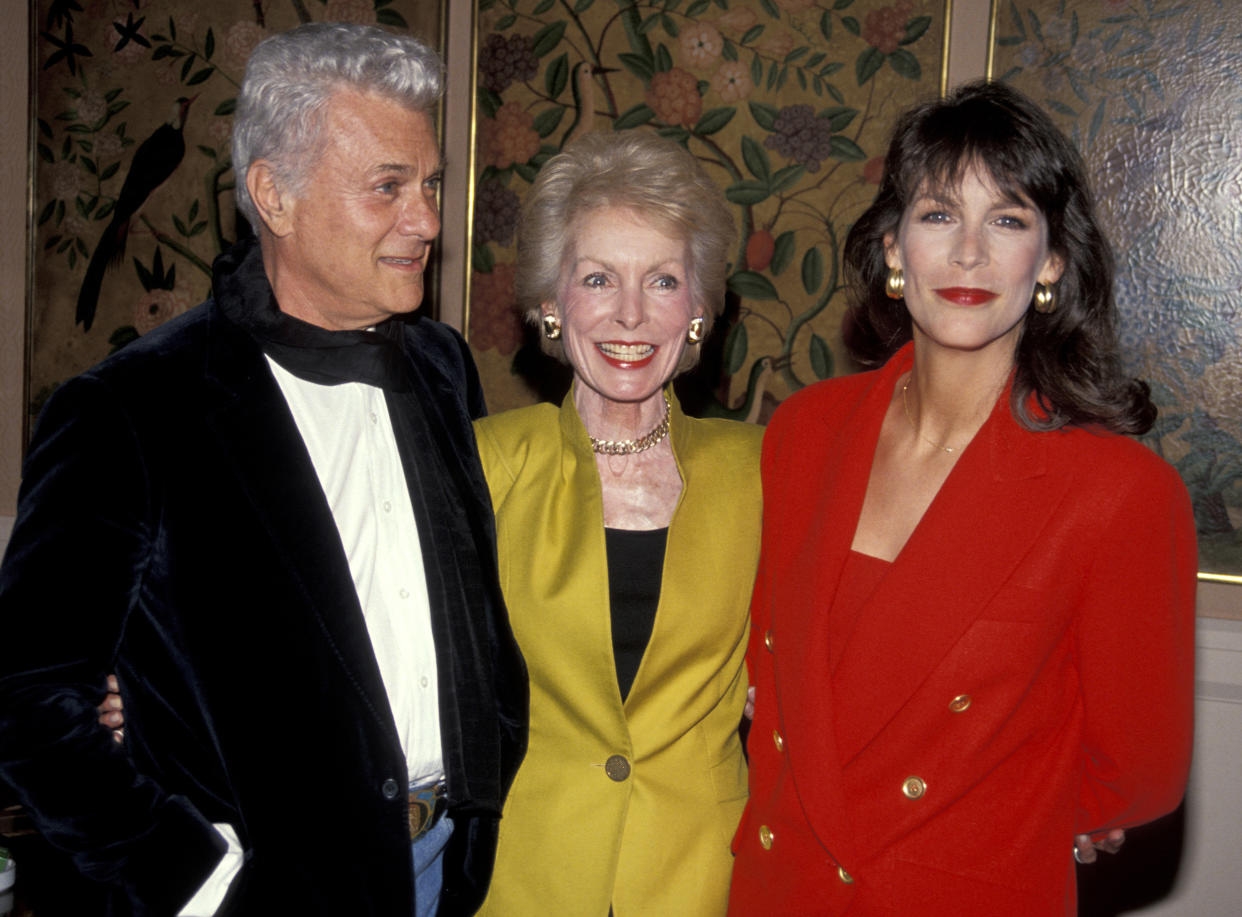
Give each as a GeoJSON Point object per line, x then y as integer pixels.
{"type": "Point", "coordinates": [268, 518]}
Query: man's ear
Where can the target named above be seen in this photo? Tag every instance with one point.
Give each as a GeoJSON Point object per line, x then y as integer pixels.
{"type": "Point", "coordinates": [274, 205]}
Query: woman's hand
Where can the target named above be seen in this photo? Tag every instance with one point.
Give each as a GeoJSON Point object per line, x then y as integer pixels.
{"type": "Point", "coordinates": [110, 711]}
{"type": "Point", "coordinates": [1085, 848]}
{"type": "Point", "coordinates": [749, 711]}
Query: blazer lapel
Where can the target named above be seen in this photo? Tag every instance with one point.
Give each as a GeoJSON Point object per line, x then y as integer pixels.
{"type": "Point", "coordinates": [986, 518]}
{"type": "Point", "coordinates": [257, 434]}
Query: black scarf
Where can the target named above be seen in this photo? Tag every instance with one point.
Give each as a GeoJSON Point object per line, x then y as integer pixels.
{"type": "Point", "coordinates": [309, 352]}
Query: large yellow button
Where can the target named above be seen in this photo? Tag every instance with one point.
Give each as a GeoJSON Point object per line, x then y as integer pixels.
{"type": "Point", "coordinates": [960, 703]}
{"type": "Point", "coordinates": [779, 742]}
{"type": "Point", "coordinates": [914, 787]}
{"type": "Point", "coordinates": [767, 639]}
{"type": "Point", "coordinates": [844, 876]}
{"type": "Point", "coordinates": [617, 768]}
{"type": "Point", "coordinates": [765, 837]}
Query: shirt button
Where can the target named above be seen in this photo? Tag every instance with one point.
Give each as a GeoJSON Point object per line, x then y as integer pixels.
{"type": "Point", "coordinates": [767, 640]}
{"type": "Point", "coordinates": [387, 507]}
{"type": "Point", "coordinates": [766, 837]}
{"type": "Point", "coordinates": [424, 681]}
{"type": "Point", "coordinates": [374, 419]}
{"type": "Point", "coordinates": [617, 768]}
{"type": "Point", "coordinates": [960, 703]}
{"type": "Point", "coordinates": [390, 788]}
{"type": "Point", "coordinates": [844, 876]}
{"type": "Point", "coordinates": [914, 787]}
{"type": "Point", "coordinates": [404, 593]}
{"type": "Point", "coordinates": [779, 742]}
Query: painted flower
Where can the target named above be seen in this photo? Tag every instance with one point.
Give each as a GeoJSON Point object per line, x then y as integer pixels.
{"type": "Point", "coordinates": [107, 146]}
{"type": "Point", "coordinates": [240, 39]}
{"type": "Point", "coordinates": [92, 107]}
{"type": "Point", "coordinates": [776, 43]}
{"type": "Point", "coordinates": [800, 136]}
{"type": "Point", "coordinates": [360, 11]}
{"type": "Point", "coordinates": [1029, 54]}
{"type": "Point", "coordinates": [220, 130]}
{"type": "Point", "coordinates": [674, 96]}
{"type": "Point", "coordinates": [738, 19]}
{"type": "Point", "coordinates": [732, 81]}
{"type": "Point", "coordinates": [873, 170]}
{"type": "Point", "coordinates": [75, 224]}
{"type": "Point", "coordinates": [495, 213]}
{"type": "Point", "coordinates": [64, 180]}
{"type": "Point", "coordinates": [1056, 32]}
{"type": "Point", "coordinates": [886, 27]}
{"type": "Point", "coordinates": [157, 307]}
{"type": "Point", "coordinates": [504, 61]}
{"type": "Point", "coordinates": [494, 321]}
{"type": "Point", "coordinates": [701, 44]}
{"type": "Point", "coordinates": [510, 137]}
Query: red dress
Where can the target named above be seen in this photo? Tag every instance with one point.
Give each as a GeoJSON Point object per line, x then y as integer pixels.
{"type": "Point", "coordinates": [1022, 674]}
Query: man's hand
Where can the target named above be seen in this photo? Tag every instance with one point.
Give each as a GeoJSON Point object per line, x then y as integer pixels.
{"type": "Point", "coordinates": [1085, 848]}
{"type": "Point", "coordinates": [110, 711]}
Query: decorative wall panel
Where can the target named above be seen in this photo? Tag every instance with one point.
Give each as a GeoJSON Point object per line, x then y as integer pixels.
{"type": "Point", "coordinates": [1151, 90]}
{"type": "Point", "coordinates": [152, 82]}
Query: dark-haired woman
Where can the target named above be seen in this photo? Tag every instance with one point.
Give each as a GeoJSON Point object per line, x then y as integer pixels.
{"type": "Point", "coordinates": [973, 620]}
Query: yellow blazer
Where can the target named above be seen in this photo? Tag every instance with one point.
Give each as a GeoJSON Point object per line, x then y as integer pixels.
{"type": "Point", "coordinates": [631, 805]}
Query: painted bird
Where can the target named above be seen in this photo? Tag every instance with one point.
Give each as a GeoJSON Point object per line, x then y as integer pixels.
{"type": "Point", "coordinates": [154, 161]}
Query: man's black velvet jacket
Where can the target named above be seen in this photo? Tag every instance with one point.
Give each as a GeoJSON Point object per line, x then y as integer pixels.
{"type": "Point", "coordinates": [171, 529]}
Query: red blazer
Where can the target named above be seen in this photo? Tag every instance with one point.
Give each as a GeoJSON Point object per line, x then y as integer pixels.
{"type": "Point", "coordinates": [1023, 674]}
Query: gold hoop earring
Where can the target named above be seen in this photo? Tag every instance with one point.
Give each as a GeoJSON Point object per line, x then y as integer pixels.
{"type": "Point", "coordinates": [696, 332]}
{"type": "Point", "coordinates": [551, 327]}
{"type": "Point", "coordinates": [1045, 298]}
{"type": "Point", "coordinates": [895, 285]}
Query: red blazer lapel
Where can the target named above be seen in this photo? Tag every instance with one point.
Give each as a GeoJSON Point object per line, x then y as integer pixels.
{"type": "Point", "coordinates": [976, 531]}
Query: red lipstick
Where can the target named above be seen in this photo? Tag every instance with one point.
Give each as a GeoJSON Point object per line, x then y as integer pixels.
{"type": "Point", "coordinates": [966, 296]}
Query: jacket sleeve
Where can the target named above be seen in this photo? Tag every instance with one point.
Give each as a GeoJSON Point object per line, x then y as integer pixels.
{"type": "Point", "coordinates": [1135, 646]}
{"type": "Point", "coordinates": [72, 571]}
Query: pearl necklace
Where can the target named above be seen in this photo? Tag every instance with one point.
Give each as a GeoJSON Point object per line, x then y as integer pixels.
{"type": "Point", "coordinates": [905, 400]}
{"type": "Point", "coordinates": [631, 446]}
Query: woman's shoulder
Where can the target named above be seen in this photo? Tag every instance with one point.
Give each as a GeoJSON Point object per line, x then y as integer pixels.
{"type": "Point", "coordinates": [517, 423]}
{"type": "Point", "coordinates": [510, 439]}
{"type": "Point", "coordinates": [824, 399]}
{"type": "Point", "coordinates": [1117, 458]}
{"type": "Point", "coordinates": [727, 434]}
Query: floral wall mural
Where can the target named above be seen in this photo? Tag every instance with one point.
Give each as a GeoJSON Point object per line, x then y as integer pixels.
{"type": "Point", "coordinates": [788, 103]}
{"type": "Point", "coordinates": [133, 194]}
{"type": "Point", "coordinates": [1151, 90]}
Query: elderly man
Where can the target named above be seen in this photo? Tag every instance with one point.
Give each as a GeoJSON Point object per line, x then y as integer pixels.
{"type": "Point", "coordinates": [268, 519]}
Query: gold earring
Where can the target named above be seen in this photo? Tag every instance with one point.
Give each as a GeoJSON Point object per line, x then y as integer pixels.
{"type": "Point", "coordinates": [1045, 298]}
{"type": "Point", "coordinates": [895, 285]}
{"type": "Point", "coordinates": [695, 334]}
{"type": "Point", "coordinates": [551, 327]}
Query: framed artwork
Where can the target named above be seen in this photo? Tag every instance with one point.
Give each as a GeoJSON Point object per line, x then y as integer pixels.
{"type": "Point", "coordinates": [132, 170]}
{"type": "Point", "coordinates": [787, 103]}
{"type": "Point", "coordinates": [1151, 91]}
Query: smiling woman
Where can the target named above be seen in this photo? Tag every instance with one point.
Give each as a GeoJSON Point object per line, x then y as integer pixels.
{"type": "Point", "coordinates": [973, 623]}
{"type": "Point", "coordinates": [625, 570]}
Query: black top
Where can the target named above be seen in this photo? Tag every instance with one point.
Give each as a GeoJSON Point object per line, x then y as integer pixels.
{"type": "Point", "coordinates": [635, 568]}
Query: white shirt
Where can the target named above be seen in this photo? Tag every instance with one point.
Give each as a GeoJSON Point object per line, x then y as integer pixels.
{"type": "Point", "coordinates": [348, 433]}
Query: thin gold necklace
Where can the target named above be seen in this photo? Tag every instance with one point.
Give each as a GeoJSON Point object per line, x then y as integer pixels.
{"type": "Point", "coordinates": [631, 446]}
{"type": "Point", "coordinates": [905, 400]}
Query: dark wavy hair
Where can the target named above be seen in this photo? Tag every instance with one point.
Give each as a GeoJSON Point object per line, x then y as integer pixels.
{"type": "Point", "coordinates": [1067, 359]}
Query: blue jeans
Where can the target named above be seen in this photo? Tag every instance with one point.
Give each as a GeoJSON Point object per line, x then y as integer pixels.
{"type": "Point", "coordinates": [428, 854]}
